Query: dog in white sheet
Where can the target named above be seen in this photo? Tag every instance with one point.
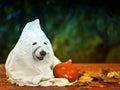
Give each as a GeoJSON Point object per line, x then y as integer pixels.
{"type": "Point", "coordinates": [31, 61]}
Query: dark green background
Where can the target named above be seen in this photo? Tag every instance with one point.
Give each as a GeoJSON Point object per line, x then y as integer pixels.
{"type": "Point", "coordinates": [86, 31]}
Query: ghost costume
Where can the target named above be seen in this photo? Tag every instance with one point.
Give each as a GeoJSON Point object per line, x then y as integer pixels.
{"type": "Point", "coordinates": [32, 60]}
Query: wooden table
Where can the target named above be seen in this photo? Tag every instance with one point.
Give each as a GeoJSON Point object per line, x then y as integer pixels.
{"type": "Point", "coordinates": [5, 85]}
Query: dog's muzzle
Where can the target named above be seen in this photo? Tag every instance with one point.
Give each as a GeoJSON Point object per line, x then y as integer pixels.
{"type": "Point", "coordinates": [41, 56]}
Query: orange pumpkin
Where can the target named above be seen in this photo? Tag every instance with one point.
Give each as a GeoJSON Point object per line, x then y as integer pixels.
{"type": "Point", "coordinates": [66, 70]}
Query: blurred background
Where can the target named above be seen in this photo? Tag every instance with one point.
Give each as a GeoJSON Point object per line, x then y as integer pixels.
{"type": "Point", "coordinates": [86, 31]}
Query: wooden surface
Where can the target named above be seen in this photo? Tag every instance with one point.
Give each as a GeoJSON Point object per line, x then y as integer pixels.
{"type": "Point", "coordinates": [5, 85]}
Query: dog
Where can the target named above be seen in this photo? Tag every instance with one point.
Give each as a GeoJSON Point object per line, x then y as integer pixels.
{"type": "Point", "coordinates": [31, 61]}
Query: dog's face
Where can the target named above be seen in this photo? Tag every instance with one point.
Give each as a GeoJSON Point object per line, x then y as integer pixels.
{"type": "Point", "coordinates": [41, 51]}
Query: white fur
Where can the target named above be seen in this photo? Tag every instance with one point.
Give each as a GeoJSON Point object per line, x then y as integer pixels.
{"type": "Point", "coordinates": [22, 66]}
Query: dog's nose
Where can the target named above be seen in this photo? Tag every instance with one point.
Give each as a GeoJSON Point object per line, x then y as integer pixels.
{"type": "Point", "coordinates": [42, 53]}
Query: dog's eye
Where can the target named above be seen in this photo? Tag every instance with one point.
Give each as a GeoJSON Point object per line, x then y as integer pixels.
{"type": "Point", "coordinates": [45, 43]}
{"type": "Point", "coordinates": [34, 43]}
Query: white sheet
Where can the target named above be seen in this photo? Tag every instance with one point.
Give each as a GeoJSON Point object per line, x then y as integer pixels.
{"type": "Point", "coordinates": [26, 66]}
